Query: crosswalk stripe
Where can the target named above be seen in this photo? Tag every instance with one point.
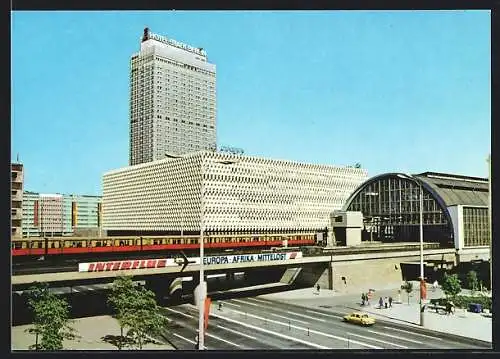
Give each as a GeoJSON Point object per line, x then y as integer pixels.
{"type": "Point", "coordinates": [377, 340]}
{"type": "Point", "coordinates": [181, 313]}
{"type": "Point", "coordinates": [395, 336]}
{"type": "Point", "coordinates": [236, 332]}
{"type": "Point", "coordinates": [305, 316]}
{"type": "Point", "coordinates": [324, 314]}
{"type": "Point", "coordinates": [412, 333]}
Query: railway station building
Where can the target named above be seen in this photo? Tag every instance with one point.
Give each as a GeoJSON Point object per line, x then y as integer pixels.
{"type": "Point", "coordinates": [235, 193]}
{"type": "Point", "coordinates": [455, 210]}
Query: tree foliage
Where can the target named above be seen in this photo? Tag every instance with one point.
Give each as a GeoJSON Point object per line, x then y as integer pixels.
{"type": "Point", "coordinates": [50, 318]}
{"type": "Point", "coordinates": [122, 291]}
{"type": "Point", "coordinates": [451, 285]}
{"type": "Point", "coordinates": [472, 280]}
{"type": "Point", "coordinates": [408, 288]}
{"type": "Point", "coordinates": [144, 318]}
{"type": "Point", "coordinates": [136, 310]}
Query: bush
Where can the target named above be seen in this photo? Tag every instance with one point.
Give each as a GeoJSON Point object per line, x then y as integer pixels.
{"type": "Point", "coordinates": [463, 301]}
{"type": "Point", "coordinates": [451, 285]}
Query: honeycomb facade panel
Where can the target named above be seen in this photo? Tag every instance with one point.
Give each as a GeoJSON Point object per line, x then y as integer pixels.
{"type": "Point", "coordinates": [241, 194]}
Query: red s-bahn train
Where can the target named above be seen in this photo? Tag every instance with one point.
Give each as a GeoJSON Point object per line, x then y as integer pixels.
{"type": "Point", "coordinates": [40, 246]}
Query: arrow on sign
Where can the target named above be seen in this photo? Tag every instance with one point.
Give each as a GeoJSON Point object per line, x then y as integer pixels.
{"type": "Point", "coordinates": [184, 261]}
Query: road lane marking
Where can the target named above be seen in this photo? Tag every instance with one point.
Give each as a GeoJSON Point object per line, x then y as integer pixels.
{"type": "Point", "coordinates": [412, 333]}
{"type": "Point", "coordinates": [236, 332]}
{"type": "Point", "coordinates": [260, 300]}
{"type": "Point", "coordinates": [305, 316]}
{"type": "Point", "coordinates": [308, 330]}
{"type": "Point", "coordinates": [219, 338]}
{"type": "Point", "coordinates": [270, 332]}
{"type": "Point", "coordinates": [324, 314]}
{"type": "Point", "coordinates": [241, 301]}
{"type": "Point", "coordinates": [395, 336]}
{"type": "Point", "coordinates": [378, 340]}
{"type": "Point", "coordinates": [183, 338]}
{"type": "Point", "coordinates": [234, 305]}
{"type": "Point", "coordinates": [166, 318]}
{"type": "Point", "coordinates": [186, 339]}
{"type": "Point", "coordinates": [181, 313]}
{"type": "Point", "coordinates": [295, 320]}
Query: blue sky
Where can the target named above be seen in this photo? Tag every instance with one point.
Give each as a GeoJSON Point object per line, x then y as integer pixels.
{"type": "Point", "coordinates": [394, 91]}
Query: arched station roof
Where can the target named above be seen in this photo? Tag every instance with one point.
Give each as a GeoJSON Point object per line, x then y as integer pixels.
{"type": "Point", "coordinates": [447, 189]}
{"type": "Point", "coordinates": [456, 189]}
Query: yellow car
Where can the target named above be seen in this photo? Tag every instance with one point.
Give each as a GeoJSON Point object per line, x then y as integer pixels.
{"type": "Point", "coordinates": [359, 318]}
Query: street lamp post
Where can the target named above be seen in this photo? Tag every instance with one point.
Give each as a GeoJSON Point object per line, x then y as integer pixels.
{"type": "Point", "coordinates": [202, 287]}
{"type": "Point", "coordinates": [422, 278]}
{"type": "Point", "coordinates": [201, 300]}
{"type": "Point", "coordinates": [182, 220]}
{"type": "Point", "coordinates": [489, 220]}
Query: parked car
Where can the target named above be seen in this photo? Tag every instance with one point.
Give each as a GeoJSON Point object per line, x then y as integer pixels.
{"type": "Point", "coordinates": [359, 318]}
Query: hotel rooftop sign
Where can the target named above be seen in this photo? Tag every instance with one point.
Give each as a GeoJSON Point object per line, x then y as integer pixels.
{"type": "Point", "coordinates": [149, 35]}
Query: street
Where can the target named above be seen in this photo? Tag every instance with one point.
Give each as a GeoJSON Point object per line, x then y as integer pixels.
{"type": "Point", "coordinates": [257, 323]}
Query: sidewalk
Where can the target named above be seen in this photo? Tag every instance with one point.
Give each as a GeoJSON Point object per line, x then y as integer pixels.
{"type": "Point", "coordinates": [466, 324]}
{"type": "Point", "coordinates": [97, 333]}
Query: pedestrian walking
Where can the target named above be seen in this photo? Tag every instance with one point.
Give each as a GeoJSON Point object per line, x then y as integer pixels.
{"type": "Point", "coordinates": [390, 302]}
{"type": "Point", "coordinates": [434, 285]}
{"type": "Point", "coordinates": [385, 303]}
{"type": "Point", "coordinates": [381, 303]}
{"type": "Point", "coordinates": [317, 288]}
{"type": "Point", "coordinates": [362, 298]}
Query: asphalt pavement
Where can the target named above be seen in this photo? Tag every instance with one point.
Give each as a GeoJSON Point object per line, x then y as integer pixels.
{"type": "Point", "coordinates": [258, 323]}
{"type": "Point", "coordinates": [472, 327]}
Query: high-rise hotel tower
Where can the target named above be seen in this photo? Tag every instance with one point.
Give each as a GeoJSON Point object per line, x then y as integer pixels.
{"type": "Point", "coordinates": [172, 100]}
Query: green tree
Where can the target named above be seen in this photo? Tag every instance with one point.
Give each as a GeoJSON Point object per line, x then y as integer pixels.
{"type": "Point", "coordinates": [136, 310]}
{"type": "Point", "coordinates": [50, 318]}
{"type": "Point", "coordinates": [408, 288]}
{"type": "Point", "coordinates": [122, 292]}
{"type": "Point", "coordinates": [451, 285]}
{"type": "Point", "coordinates": [144, 317]}
{"type": "Point", "coordinates": [472, 280]}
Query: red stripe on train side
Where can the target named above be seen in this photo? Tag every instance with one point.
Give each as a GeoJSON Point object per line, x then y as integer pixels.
{"type": "Point", "coordinates": [157, 247]}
